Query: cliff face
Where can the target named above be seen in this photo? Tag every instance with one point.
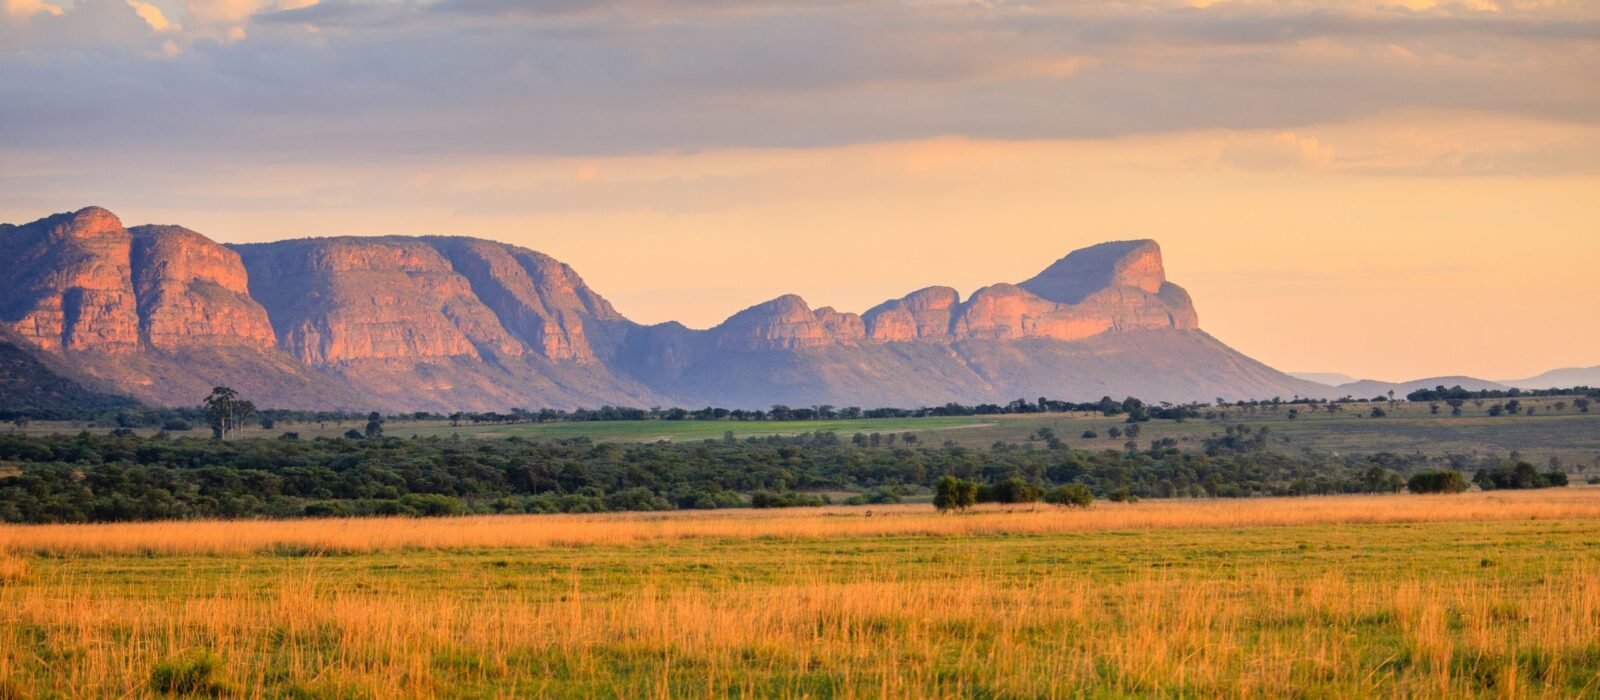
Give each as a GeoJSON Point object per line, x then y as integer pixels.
{"type": "Point", "coordinates": [68, 283]}
{"type": "Point", "coordinates": [1110, 287]}
{"type": "Point", "coordinates": [539, 299]}
{"type": "Point", "coordinates": [193, 291]}
{"type": "Point", "coordinates": [344, 299]}
{"type": "Point", "coordinates": [787, 323]}
{"type": "Point", "coordinates": [161, 313]}
{"type": "Point", "coordinates": [922, 315]}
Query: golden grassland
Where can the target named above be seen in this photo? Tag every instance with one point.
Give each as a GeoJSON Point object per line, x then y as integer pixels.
{"type": "Point", "coordinates": [356, 535]}
{"type": "Point", "coordinates": [1490, 595]}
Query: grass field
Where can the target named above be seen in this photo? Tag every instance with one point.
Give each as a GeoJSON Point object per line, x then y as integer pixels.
{"type": "Point", "coordinates": [1483, 594]}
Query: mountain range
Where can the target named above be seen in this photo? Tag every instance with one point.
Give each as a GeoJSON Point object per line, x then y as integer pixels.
{"type": "Point", "coordinates": [1345, 385]}
{"type": "Point", "coordinates": [162, 314]}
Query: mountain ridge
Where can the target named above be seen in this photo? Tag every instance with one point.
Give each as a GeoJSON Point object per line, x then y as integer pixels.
{"type": "Point", "coordinates": [451, 322]}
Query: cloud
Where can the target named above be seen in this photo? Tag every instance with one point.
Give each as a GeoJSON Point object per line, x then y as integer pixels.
{"type": "Point", "coordinates": [152, 16]}
{"type": "Point", "coordinates": [1278, 152]}
{"type": "Point", "coordinates": [24, 9]}
{"type": "Point", "coordinates": [344, 79]}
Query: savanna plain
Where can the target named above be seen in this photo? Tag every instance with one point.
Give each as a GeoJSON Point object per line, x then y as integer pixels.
{"type": "Point", "coordinates": [1482, 594]}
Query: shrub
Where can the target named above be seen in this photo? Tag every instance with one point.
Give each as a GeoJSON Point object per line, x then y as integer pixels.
{"type": "Point", "coordinates": [950, 493]}
{"type": "Point", "coordinates": [1446, 481]}
{"type": "Point", "coordinates": [327, 509]}
{"type": "Point", "coordinates": [195, 673]}
{"type": "Point", "coordinates": [1522, 475]}
{"type": "Point", "coordinates": [431, 504]}
{"type": "Point", "coordinates": [1070, 495]}
{"type": "Point", "coordinates": [1012, 490]}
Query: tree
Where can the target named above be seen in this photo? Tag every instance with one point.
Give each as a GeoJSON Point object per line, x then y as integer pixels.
{"type": "Point", "coordinates": [950, 493]}
{"type": "Point", "coordinates": [226, 412]}
{"type": "Point", "coordinates": [1582, 404]}
{"type": "Point", "coordinates": [374, 425]}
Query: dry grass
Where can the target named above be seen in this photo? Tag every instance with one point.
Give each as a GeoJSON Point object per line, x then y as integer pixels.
{"type": "Point", "coordinates": [1255, 634]}
{"type": "Point", "coordinates": [1411, 597]}
{"type": "Point", "coordinates": [387, 534]}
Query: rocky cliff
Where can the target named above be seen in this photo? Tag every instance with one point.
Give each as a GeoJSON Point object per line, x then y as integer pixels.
{"type": "Point", "coordinates": [1119, 286]}
{"type": "Point", "coordinates": [438, 323]}
{"type": "Point", "coordinates": [190, 291]}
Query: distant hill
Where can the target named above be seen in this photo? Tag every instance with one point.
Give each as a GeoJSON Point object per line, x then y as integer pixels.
{"type": "Point", "coordinates": [1325, 378]}
{"type": "Point", "coordinates": [1560, 379]}
{"type": "Point", "coordinates": [163, 313]}
{"type": "Point", "coordinates": [1368, 388]}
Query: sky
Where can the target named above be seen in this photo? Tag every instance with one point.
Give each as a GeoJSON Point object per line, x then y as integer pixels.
{"type": "Point", "coordinates": [1390, 190]}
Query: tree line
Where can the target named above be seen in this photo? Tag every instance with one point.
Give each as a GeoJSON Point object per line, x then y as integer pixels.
{"type": "Point", "coordinates": [122, 477]}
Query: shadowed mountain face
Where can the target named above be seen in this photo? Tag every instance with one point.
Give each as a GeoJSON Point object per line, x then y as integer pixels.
{"type": "Point", "coordinates": [163, 313]}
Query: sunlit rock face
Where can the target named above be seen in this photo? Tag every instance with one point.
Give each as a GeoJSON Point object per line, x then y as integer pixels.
{"type": "Point", "coordinates": [192, 291]}
{"type": "Point", "coordinates": [921, 315]}
{"type": "Point", "coordinates": [395, 323]}
{"type": "Point", "coordinates": [336, 300]}
{"type": "Point", "coordinates": [68, 283]}
{"type": "Point", "coordinates": [539, 299]}
{"type": "Point", "coordinates": [787, 323]}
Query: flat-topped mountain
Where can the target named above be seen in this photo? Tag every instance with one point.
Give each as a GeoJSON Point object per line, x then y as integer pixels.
{"type": "Point", "coordinates": [162, 313]}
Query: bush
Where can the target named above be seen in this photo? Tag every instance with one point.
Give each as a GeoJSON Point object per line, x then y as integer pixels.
{"type": "Point", "coordinates": [195, 673]}
{"type": "Point", "coordinates": [1446, 481]}
{"type": "Point", "coordinates": [1522, 475]}
{"type": "Point", "coordinates": [327, 509]}
{"type": "Point", "coordinates": [950, 493]}
{"type": "Point", "coordinates": [431, 504]}
{"type": "Point", "coordinates": [790, 499]}
{"type": "Point", "coordinates": [1012, 490]}
{"type": "Point", "coordinates": [1070, 495]}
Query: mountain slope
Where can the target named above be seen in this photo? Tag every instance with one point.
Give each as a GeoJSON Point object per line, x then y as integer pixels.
{"type": "Point", "coordinates": [30, 384]}
{"type": "Point", "coordinates": [441, 323]}
{"type": "Point", "coordinates": [1560, 379]}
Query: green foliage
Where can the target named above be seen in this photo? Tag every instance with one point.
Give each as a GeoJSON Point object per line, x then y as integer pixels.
{"type": "Point", "coordinates": [1521, 475]}
{"type": "Point", "coordinates": [1070, 495]}
{"type": "Point", "coordinates": [1445, 481]}
{"type": "Point", "coordinates": [1011, 490]}
{"type": "Point", "coordinates": [789, 499]}
{"type": "Point", "coordinates": [951, 493]}
{"type": "Point", "coordinates": [106, 478]}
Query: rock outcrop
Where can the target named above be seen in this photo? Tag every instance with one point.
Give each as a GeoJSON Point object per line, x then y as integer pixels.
{"type": "Point", "coordinates": [538, 298]}
{"type": "Point", "coordinates": [925, 314]}
{"type": "Point", "coordinates": [192, 291]}
{"type": "Point", "coordinates": [439, 323]}
{"type": "Point", "coordinates": [787, 323]}
{"type": "Point", "coordinates": [394, 299]}
{"type": "Point", "coordinates": [68, 283]}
